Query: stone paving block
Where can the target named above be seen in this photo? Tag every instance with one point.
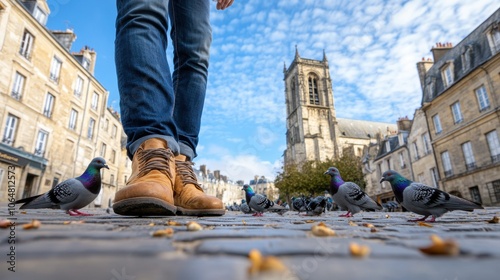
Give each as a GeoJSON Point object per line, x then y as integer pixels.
{"type": "Point", "coordinates": [230, 233]}
{"type": "Point", "coordinates": [437, 268]}
{"type": "Point", "coordinates": [312, 246]}
{"type": "Point", "coordinates": [130, 267]}
{"type": "Point", "coordinates": [84, 247]}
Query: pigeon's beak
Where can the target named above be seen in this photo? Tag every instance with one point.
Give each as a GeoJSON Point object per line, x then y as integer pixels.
{"type": "Point", "coordinates": [326, 173]}
{"type": "Point", "coordinates": [382, 180]}
{"type": "Point", "coordinates": [106, 166]}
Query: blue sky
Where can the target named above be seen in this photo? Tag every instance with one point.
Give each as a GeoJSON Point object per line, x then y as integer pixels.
{"type": "Point", "coordinates": [372, 48]}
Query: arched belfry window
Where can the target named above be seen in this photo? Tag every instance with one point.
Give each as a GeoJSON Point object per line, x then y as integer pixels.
{"type": "Point", "coordinates": [313, 90]}
{"type": "Point", "coordinates": [293, 94]}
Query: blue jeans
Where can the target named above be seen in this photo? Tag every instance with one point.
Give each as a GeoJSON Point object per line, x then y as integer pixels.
{"type": "Point", "coordinates": [154, 102]}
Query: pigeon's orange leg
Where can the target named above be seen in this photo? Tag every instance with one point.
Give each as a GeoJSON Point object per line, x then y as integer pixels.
{"type": "Point", "coordinates": [347, 215]}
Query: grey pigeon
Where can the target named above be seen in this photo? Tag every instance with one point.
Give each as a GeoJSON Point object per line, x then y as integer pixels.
{"type": "Point", "coordinates": [316, 206]}
{"type": "Point", "coordinates": [349, 196]}
{"type": "Point", "coordinates": [424, 200]}
{"type": "Point", "coordinates": [71, 194]}
{"type": "Point", "coordinates": [245, 208]}
{"type": "Point", "coordinates": [260, 203]}
{"type": "Point", "coordinates": [299, 203]}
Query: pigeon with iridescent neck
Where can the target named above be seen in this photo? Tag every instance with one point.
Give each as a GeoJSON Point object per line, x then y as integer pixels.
{"type": "Point", "coordinates": [424, 200]}
{"type": "Point", "coordinates": [260, 203]}
{"type": "Point", "coordinates": [349, 196]}
{"type": "Point", "coordinates": [71, 194]}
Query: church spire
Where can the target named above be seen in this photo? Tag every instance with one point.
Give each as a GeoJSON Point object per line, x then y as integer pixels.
{"type": "Point", "coordinates": [324, 56]}
{"type": "Point", "coordinates": [284, 67]}
{"type": "Point", "coordinates": [296, 52]}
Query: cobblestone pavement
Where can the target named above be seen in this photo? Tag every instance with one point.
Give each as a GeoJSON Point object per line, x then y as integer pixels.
{"type": "Point", "coordinates": [112, 247]}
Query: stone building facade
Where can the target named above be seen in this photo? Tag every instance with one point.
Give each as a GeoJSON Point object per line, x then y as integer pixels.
{"type": "Point", "coordinates": [461, 95]}
{"type": "Point", "coordinates": [54, 117]}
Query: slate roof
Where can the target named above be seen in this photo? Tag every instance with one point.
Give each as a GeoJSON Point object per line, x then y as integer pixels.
{"type": "Point", "coordinates": [363, 129]}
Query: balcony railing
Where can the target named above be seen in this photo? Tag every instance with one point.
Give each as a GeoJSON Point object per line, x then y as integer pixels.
{"type": "Point", "coordinates": [495, 158]}
{"type": "Point", "coordinates": [448, 173]}
{"type": "Point", "coordinates": [471, 166]}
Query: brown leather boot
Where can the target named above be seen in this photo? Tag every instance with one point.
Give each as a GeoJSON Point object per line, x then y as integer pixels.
{"type": "Point", "coordinates": [149, 191]}
{"type": "Point", "coordinates": [188, 195]}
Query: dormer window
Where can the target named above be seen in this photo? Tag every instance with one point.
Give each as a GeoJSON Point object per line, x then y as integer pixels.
{"type": "Point", "coordinates": [493, 35]}
{"type": "Point", "coordinates": [430, 89]}
{"type": "Point", "coordinates": [40, 15]}
{"type": "Point", "coordinates": [466, 59]}
{"type": "Point", "coordinates": [447, 74]}
{"type": "Point", "coordinates": [387, 146]}
{"type": "Point", "coordinates": [86, 63]}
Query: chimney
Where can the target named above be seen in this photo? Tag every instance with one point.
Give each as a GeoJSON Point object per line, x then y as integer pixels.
{"type": "Point", "coordinates": [422, 68]}
{"type": "Point", "coordinates": [217, 174]}
{"type": "Point", "coordinates": [404, 124]}
{"type": "Point", "coordinates": [66, 38]}
{"type": "Point", "coordinates": [203, 169]}
{"type": "Point", "coordinates": [440, 50]}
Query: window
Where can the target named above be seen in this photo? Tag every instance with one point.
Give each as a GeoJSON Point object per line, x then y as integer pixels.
{"type": "Point", "coordinates": [415, 150]}
{"type": "Point", "coordinates": [494, 38]}
{"type": "Point", "coordinates": [40, 15]}
{"type": "Point", "coordinates": [78, 87]}
{"type": "Point", "coordinates": [86, 63]}
{"type": "Point", "coordinates": [482, 99]}
{"type": "Point", "coordinates": [475, 194]}
{"type": "Point", "coordinates": [389, 164]}
{"type": "Point", "coordinates": [73, 117]}
{"type": "Point", "coordinates": [457, 114]}
{"type": "Point", "coordinates": [112, 179]}
{"type": "Point", "coordinates": [113, 131]}
{"type": "Point", "coordinates": [90, 130]}
{"type": "Point", "coordinates": [434, 176]}
{"type": "Point", "coordinates": [95, 101]}
{"type": "Point", "coordinates": [445, 157]}
{"type": "Point", "coordinates": [49, 105]}
{"type": "Point", "coordinates": [26, 45]}
{"type": "Point", "coordinates": [430, 89]}
{"type": "Point", "coordinates": [427, 143]}
{"type": "Point", "coordinates": [496, 189]}
{"type": "Point", "coordinates": [113, 156]}
{"type": "Point", "coordinates": [105, 124]}
{"type": "Point", "coordinates": [387, 146]}
{"type": "Point", "coordinates": [9, 133]}
{"type": "Point", "coordinates": [41, 143]}
{"type": "Point", "coordinates": [402, 160]}
{"type": "Point", "coordinates": [421, 178]}
{"type": "Point", "coordinates": [18, 86]}
{"type": "Point", "coordinates": [293, 95]}
{"type": "Point", "coordinates": [437, 124]}
{"type": "Point", "coordinates": [466, 59]}
{"type": "Point", "coordinates": [55, 69]}
{"type": "Point", "coordinates": [313, 91]}
{"type": "Point", "coordinates": [103, 150]}
{"type": "Point", "coordinates": [447, 73]}
{"type": "Point", "coordinates": [494, 145]}
{"type": "Point", "coordinates": [470, 162]}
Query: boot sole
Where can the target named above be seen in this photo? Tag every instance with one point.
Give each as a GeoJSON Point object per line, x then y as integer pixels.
{"type": "Point", "coordinates": [200, 212]}
{"type": "Point", "coordinates": [144, 206]}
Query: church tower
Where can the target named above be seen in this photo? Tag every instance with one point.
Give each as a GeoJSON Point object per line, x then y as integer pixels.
{"type": "Point", "coordinates": [310, 122]}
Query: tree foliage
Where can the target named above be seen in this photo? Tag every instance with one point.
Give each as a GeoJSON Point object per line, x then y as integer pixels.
{"type": "Point", "coordinates": [309, 178]}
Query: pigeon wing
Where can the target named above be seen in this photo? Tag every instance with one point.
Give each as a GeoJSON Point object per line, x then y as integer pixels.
{"type": "Point", "coordinates": [260, 203]}
{"type": "Point", "coordinates": [426, 197]}
{"type": "Point", "coordinates": [355, 196]}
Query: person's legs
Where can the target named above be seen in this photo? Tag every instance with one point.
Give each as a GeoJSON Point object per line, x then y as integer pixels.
{"type": "Point", "coordinates": [191, 37]}
{"type": "Point", "coordinates": [146, 104]}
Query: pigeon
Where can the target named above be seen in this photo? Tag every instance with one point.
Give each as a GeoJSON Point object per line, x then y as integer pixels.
{"type": "Point", "coordinates": [245, 208]}
{"type": "Point", "coordinates": [424, 200]}
{"type": "Point", "coordinates": [71, 194]}
{"type": "Point", "coordinates": [299, 204]}
{"type": "Point", "coordinates": [349, 196]}
{"type": "Point", "coordinates": [316, 206]}
{"type": "Point", "coordinates": [260, 203]}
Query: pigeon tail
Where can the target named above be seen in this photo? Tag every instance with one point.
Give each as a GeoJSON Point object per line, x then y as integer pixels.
{"type": "Point", "coordinates": [457, 203]}
{"type": "Point", "coordinates": [37, 202]}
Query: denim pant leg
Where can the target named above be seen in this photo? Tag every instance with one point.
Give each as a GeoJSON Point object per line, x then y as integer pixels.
{"type": "Point", "coordinates": [144, 78]}
{"type": "Point", "coordinates": [191, 35]}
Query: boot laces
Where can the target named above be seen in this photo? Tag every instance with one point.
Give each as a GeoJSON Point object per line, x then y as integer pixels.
{"type": "Point", "coordinates": [155, 159]}
{"type": "Point", "coordinates": [186, 172]}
